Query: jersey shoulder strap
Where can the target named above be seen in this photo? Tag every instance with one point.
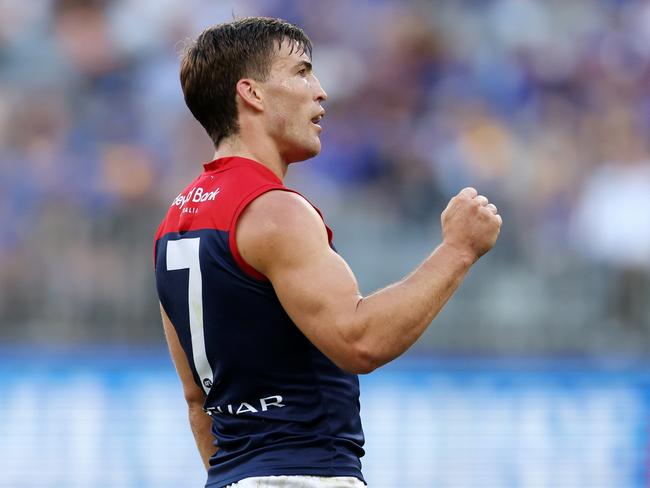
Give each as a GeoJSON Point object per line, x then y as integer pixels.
{"type": "Point", "coordinates": [217, 198]}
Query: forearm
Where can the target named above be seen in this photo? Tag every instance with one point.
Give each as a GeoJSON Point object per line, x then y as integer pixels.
{"type": "Point", "coordinates": [286, 241]}
{"type": "Point", "coordinates": [201, 425]}
{"type": "Point", "coordinates": [391, 320]}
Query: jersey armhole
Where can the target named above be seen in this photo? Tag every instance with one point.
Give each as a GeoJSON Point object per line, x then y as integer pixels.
{"type": "Point", "coordinates": [232, 238]}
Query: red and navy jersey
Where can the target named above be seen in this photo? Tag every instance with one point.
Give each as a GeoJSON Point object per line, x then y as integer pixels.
{"type": "Point", "coordinates": [278, 405]}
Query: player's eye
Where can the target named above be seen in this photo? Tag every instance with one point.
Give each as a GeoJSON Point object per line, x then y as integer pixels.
{"type": "Point", "coordinates": [303, 72]}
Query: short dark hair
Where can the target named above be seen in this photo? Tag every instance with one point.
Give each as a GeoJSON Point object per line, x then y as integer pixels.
{"type": "Point", "coordinates": [223, 54]}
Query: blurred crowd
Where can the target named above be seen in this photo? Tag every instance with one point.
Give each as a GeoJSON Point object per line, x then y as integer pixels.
{"type": "Point", "coordinates": [543, 105]}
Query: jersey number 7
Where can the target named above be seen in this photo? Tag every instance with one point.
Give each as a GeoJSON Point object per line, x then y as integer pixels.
{"type": "Point", "coordinates": [184, 254]}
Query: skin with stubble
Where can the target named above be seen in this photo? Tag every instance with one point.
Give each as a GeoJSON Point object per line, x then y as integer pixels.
{"type": "Point", "coordinates": [294, 94]}
{"type": "Point", "coordinates": [278, 117]}
{"type": "Point", "coordinates": [282, 236]}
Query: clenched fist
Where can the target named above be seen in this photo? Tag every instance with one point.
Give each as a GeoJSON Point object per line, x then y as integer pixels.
{"type": "Point", "coordinates": [470, 223]}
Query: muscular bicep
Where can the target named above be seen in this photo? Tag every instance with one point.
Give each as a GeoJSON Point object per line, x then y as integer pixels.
{"type": "Point", "coordinates": [284, 238]}
{"type": "Point", "coordinates": [320, 295]}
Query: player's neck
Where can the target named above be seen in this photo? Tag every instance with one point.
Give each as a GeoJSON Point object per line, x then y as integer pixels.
{"type": "Point", "coordinates": [265, 154]}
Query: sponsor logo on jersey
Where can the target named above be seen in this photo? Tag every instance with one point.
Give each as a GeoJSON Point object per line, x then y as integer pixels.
{"type": "Point", "coordinates": [261, 405]}
{"type": "Point", "coordinates": [195, 195]}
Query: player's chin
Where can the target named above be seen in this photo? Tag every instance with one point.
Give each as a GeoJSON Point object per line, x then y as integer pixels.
{"type": "Point", "coordinates": [307, 151]}
{"type": "Point", "coordinates": [315, 149]}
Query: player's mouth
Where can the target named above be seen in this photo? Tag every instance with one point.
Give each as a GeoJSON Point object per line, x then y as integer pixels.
{"type": "Point", "coordinates": [315, 120]}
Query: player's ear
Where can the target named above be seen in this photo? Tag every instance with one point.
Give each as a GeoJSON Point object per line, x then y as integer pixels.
{"type": "Point", "coordinates": [250, 93]}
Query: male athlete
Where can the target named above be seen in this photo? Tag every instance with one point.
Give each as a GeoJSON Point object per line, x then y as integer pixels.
{"type": "Point", "coordinates": [264, 320]}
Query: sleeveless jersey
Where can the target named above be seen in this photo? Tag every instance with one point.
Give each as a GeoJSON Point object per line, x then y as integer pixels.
{"type": "Point", "coordinates": [278, 405]}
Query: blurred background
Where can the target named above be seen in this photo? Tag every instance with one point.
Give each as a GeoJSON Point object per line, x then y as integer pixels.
{"type": "Point", "coordinates": [534, 375]}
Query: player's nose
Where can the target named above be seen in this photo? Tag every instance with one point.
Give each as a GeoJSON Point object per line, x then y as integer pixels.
{"type": "Point", "coordinates": [320, 94]}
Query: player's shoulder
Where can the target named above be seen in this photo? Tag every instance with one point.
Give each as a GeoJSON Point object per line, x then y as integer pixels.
{"type": "Point", "coordinates": [282, 201]}
{"type": "Point", "coordinates": [279, 222]}
{"type": "Point", "coordinates": [282, 211]}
